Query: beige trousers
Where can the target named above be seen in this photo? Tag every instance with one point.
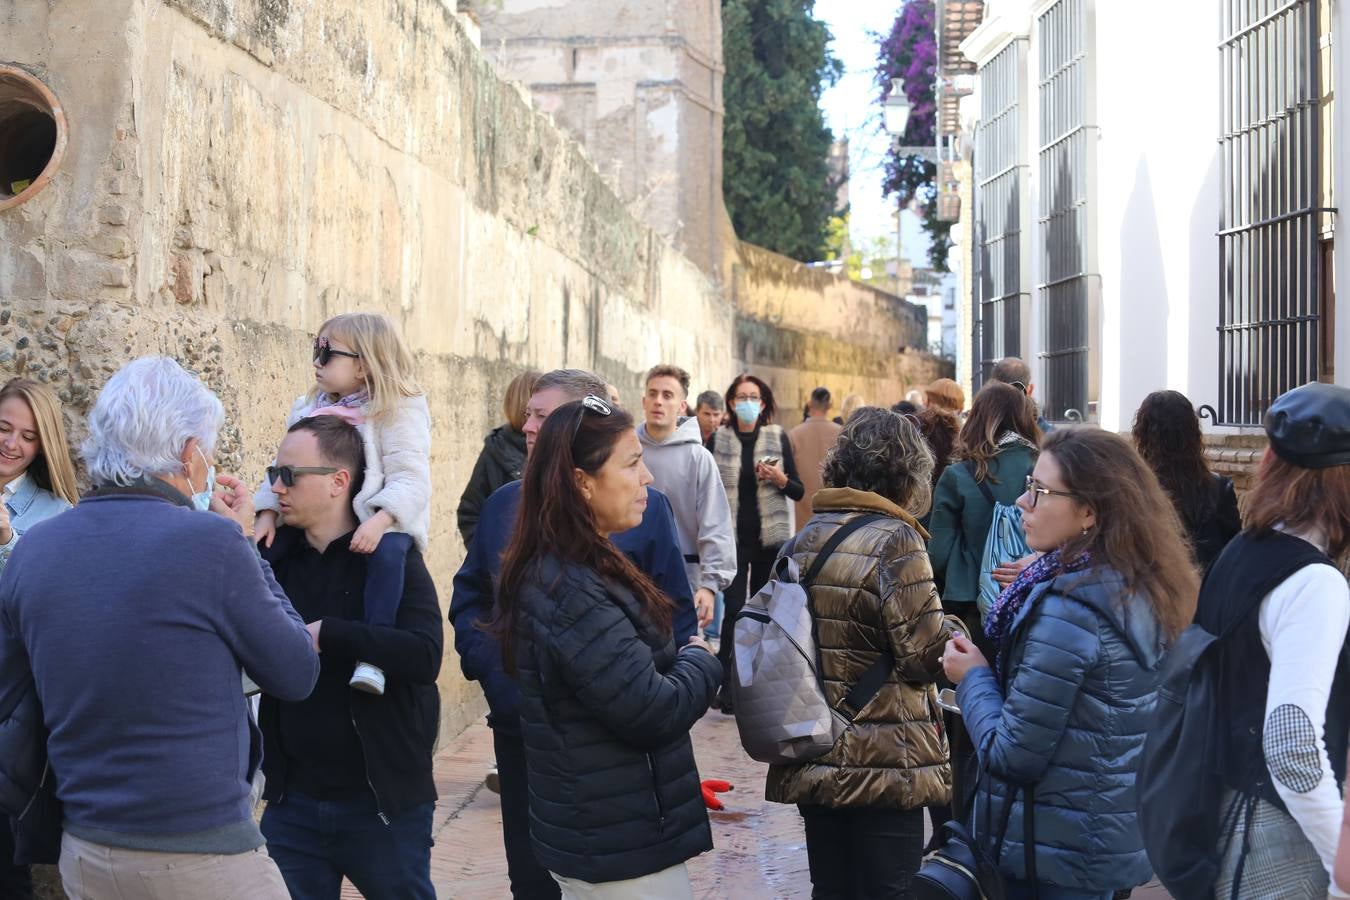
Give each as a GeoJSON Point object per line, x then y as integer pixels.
{"type": "Point", "coordinates": [668, 884]}
{"type": "Point", "coordinates": [96, 872]}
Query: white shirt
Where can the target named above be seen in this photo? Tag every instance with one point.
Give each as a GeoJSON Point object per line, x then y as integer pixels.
{"type": "Point", "coordinates": [12, 488]}
{"type": "Point", "coordinates": [1303, 627]}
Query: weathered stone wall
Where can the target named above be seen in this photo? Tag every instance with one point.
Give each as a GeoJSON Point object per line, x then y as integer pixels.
{"type": "Point", "coordinates": [800, 328]}
{"type": "Point", "coordinates": [239, 171]}
{"type": "Point", "coordinates": [639, 84]}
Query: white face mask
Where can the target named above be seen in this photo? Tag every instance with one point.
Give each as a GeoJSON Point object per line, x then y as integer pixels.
{"type": "Point", "coordinates": [202, 499]}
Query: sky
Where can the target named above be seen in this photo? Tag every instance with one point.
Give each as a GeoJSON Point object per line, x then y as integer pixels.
{"type": "Point", "coordinates": [851, 109]}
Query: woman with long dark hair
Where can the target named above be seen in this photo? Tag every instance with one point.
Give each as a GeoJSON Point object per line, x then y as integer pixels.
{"type": "Point", "coordinates": [754, 458]}
{"type": "Point", "coordinates": [606, 699]}
{"type": "Point", "coordinates": [1282, 609]}
{"type": "Point", "coordinates": [1167, 435]}
{"type": "Point", "coordinates": [1059, 719]}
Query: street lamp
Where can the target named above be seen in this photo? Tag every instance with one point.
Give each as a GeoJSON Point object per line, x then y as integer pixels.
{"type": "Point", "coordinates": [895, 118]}
{"type": "Point", "coordinates": [895, 113]}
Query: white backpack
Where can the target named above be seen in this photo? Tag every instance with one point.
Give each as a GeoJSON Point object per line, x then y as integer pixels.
{"type": "Point", "coordinates": [781, 708]}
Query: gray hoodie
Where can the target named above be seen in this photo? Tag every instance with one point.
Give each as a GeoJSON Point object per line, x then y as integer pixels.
{"type": "Point", "coordinates": [687, 474]}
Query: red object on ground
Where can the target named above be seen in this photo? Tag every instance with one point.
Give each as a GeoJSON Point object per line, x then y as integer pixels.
{"type": "Point", "coordinates": [711, 788]}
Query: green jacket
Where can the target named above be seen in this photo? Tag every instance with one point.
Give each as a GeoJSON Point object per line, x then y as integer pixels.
{"type": "Point", "coordinates": [961, 519]}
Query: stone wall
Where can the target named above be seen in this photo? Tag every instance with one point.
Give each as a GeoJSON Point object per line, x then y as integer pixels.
{"type": "Point", "coordinates": [239, 171]}
{"type": "Point", "coordinates": [800, 328]}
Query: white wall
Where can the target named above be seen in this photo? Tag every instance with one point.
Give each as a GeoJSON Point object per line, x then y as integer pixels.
{"type": "Point", "coordinates": [1158, 99]}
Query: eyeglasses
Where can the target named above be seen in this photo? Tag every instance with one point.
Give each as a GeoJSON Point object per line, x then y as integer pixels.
{"type": "Point", "coordinates": [323, 352]}
{"type": "Point", "coordinates": [1036, 491]}
{"type": "Point", "coordinates": [1019, 385]}
{"type": "Point", "coordinates": [593, 404]}
{"type": "Point", "coordinates": [287, 473]}
{"type": "Point", "coordinates": [743, 397]}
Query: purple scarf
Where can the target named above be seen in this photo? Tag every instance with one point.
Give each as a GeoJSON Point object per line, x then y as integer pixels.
{"type": "Point", "coordinates": [1014, 596]}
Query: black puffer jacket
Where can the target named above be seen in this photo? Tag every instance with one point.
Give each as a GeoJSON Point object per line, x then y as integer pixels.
{"type": "Point", "coordinates": [499, 462]}
{"type": "Point", "coordinates": [606, 704]}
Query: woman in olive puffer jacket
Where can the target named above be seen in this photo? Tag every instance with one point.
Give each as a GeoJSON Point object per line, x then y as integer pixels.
{"type": "Point", "coordinates": [863, 801]}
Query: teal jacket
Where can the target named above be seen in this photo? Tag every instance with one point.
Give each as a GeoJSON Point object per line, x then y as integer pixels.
{"type": "Point", "coordinates": [961, 519]}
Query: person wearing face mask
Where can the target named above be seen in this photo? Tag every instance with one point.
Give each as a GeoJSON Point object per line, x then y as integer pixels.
{"type": "Point", "coordinates": [37, 481]}
{"type": "Point", "coordinates": [131, 616]}
{"type": "Point", "coordinates": [754, 458]}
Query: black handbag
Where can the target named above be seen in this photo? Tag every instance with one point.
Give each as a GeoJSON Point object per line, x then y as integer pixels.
{"type": "Point", "coordinates": [961, 868]}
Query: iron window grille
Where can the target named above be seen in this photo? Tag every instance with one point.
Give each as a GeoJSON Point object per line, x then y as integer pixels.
{"type": "Point", "coordinates": [1001, 172]}
{"type": "Point", "coordinates": [1067, 293]}
{"type": "Point", "coordinates": [1270, 258]}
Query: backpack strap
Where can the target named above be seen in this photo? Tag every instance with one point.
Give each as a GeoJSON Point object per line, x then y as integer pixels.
{"type": "Point", "coordinates": [969, 466]}
{"type": "Point", "coordinates": [840, 533]}
{"type": "Point", "coordinates": [875, 676]}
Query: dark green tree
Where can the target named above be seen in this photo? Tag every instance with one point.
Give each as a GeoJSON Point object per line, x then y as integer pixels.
{"type": "Point", "coordinates": [775, 144]}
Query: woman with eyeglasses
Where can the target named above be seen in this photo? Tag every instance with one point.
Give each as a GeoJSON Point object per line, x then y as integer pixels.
{"type": "Point", "coordinates": [1058, 716]}
{"type": "Point", "coordinates": [754, 458]}
{"type": "Point", "coordinates": [606, 698]}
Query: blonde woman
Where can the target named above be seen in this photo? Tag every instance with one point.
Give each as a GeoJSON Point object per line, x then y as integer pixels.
{"type": "Point", "coordinates": [37, 478]}
{"type": "Point", "coordinates": [502, 458]}
{"type": "Point", "coordinates": [37, 481]}
{"type": "Point", "coordinates": [363, 373]}
{"type": "Point", "coordinates": [852, 403]}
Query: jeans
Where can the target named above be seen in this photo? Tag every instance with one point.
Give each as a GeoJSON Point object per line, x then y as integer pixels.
{"type": "Point", "coordinates": [384, 578]}
{"type": "Point", "coordinates": [15, 881]}
{"type": "Point", "coordinates": [750, 577]}
{"type": "Point", "coordinates": [714, 628]}
{"type": "Point", "coordinates": [862, 853]}
{"type": "Point", "coordinates": [316, 842]}
{"type": "Point", "coordinates": [529, 879]}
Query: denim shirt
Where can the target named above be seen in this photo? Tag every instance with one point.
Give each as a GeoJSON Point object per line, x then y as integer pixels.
{"type": "Point", "coordinates": [29, 506]}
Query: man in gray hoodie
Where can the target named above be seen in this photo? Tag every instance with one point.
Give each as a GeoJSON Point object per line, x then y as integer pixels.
{"type": "Point", "coordinates": [687, 474]}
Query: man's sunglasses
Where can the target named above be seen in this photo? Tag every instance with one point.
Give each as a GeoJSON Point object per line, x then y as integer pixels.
{"type": "Point", "coordinates": [595, 405]}
{"type": "Point", "coordinates": [323, 352]}
{"type": "Point", "coordinates": [287, 473]}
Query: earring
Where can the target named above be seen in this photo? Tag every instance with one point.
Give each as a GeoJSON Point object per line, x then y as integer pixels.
{"type": "Point", "coordinates": [1085, 531]}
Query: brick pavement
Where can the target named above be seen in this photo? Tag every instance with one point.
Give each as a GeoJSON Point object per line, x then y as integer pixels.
{"type": "Point", "coordinates": [761, 851]}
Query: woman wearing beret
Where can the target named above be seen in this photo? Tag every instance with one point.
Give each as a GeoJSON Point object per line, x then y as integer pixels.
{"type": "Point", "coordinates": [1278, 598]}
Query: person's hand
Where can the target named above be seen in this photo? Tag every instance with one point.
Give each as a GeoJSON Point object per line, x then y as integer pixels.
{"type": "Point", "coordinates": [697, 641]}
{"type": "Point", "coordinates": [6, 530]}
{"type": "Point", "coordinates": [313, 629]}
{"type": "Point", "coordinates": [772, 474]}
{"type": "Point", "coordinates": [960, 657]}
{"type": "Point", "coordinates": [710, 788]}
{"type": "Point", "coordinates": [704, 601]}
{"type": "Point", "coordinates": [1006, 573]}
{"type": "Point", "coordinates": [367, 537]}
{"type": "Point", "coordinates": [234, 503]}
{"type": "Point", "coordinates": [265, 527]}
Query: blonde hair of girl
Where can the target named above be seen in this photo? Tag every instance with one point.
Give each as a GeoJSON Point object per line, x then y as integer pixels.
{"type": "Point", "coordinates": [390, 370]}
{"type": "Point", "coordinates": [52, 469]}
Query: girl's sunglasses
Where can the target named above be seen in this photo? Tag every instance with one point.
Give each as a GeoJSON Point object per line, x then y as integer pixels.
{"type": "Point", "coordinates": [323, 352]}
{"type": "Point", "coordinates": [287, 474]}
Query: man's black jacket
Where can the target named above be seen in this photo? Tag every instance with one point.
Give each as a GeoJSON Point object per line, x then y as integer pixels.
{"type": "Point", "coordinates": [397, 731]}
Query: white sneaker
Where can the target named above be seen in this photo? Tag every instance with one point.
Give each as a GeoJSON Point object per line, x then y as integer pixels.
{"type": "Point", "coordinates": [493, 781]}
{"type": "Point", "coordinates": [368, 678]}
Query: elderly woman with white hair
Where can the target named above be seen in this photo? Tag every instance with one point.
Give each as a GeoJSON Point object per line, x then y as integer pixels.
{"type": "Point", "coordinates": [132, 614]}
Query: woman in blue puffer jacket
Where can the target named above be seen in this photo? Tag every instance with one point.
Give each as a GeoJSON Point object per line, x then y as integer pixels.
{"type": "Point", "coordinates": [1061, 714]}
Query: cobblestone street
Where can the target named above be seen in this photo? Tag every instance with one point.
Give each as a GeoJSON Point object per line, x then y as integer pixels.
{"type": "Point", "coordinates": [760, 850]}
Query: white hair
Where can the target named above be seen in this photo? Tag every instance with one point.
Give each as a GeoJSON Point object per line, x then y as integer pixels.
{"type": "Point", "coordinates": [144, 416]}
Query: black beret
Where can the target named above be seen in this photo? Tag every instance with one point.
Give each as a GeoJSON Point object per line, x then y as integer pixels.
{"type": "Point", "coordinates": [1310, 426]}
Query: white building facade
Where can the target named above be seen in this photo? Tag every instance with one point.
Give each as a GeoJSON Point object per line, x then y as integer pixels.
{"type": "Point", "coordinates": [1155, 187]}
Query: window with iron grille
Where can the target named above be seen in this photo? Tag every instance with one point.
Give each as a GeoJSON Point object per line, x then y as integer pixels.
{"type": "Point", "coordinates": [1000, 178]}
{"type": "Point", "coordinates": [1270, 255]}
{"type": "Point", "coordinates": [1067, 293]}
